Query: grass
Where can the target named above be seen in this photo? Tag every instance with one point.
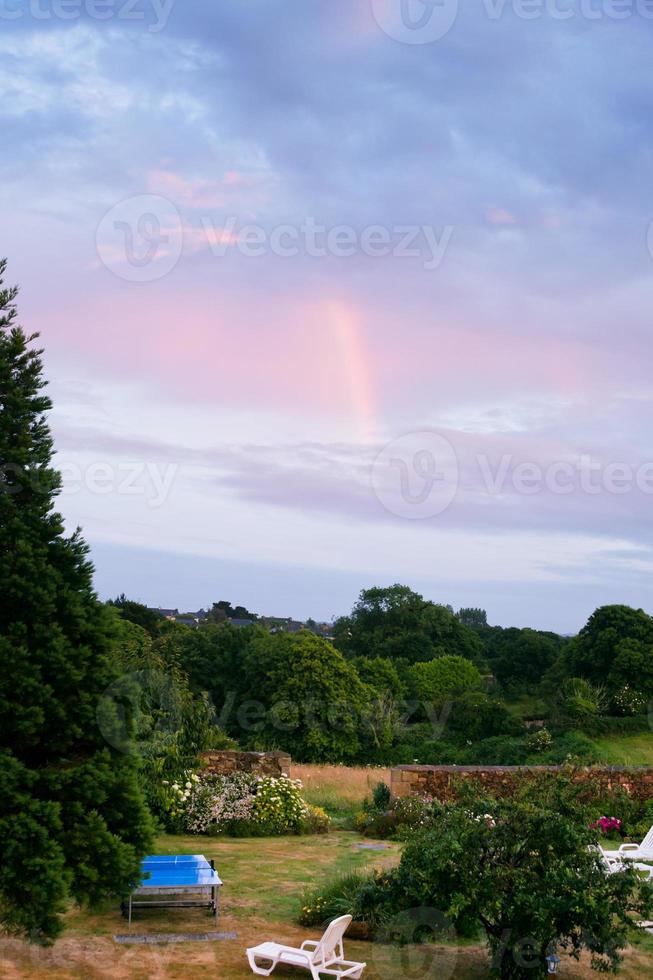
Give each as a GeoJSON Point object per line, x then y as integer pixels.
{"type": "Point", "coordinates": [626, 750]}
{"type": "Point", "coordinates": [263, 885]}
{"type": "Point", "coordinates": [340, 790]}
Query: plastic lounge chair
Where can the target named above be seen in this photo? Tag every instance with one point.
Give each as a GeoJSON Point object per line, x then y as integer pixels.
{"type": "Point", "coordinates": [614, 865]}
{"type": "Point", "coordinates": [326, 956]}
{"type": "Point", "coordinates": [634, 852]}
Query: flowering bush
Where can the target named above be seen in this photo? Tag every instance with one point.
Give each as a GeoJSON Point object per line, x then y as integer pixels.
{"type": "Point", "coordinates": [315, 820]}
{"type": "Point", "coordinates": [239, 804]}
{"type": "Point", "coordinates": [540, 741]}
{"type": "Point", "coordinates": [608, 826]}
{"type": "Point", "coordinates": [627, 701]}
{"type": "Point", "coordinates": [173, 797]}
{"type": "Point", "coordinates": [405, 814]}
{"type": "Point", "coordinates": [278, 806]}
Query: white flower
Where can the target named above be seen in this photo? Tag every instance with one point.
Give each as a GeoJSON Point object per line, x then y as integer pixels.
{"type": "Point", "coordinates": [189, 785]}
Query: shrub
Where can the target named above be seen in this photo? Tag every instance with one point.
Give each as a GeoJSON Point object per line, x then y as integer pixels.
{"type": "Point", "coordinates": [403, 816]}
{"type": "Point", "coordinates": [381, 796]}
{"type": "Point", "coordinates": [627, 701]}
{"type": "Point", "coordinates": [580, 699]}
{"type": "Point", "coordinates": [540, 741]}
{"type": "Point", "coordinates": [172, 798]}
{"type": "Point", "coordinates": [610, 827]}
{"type": "Point", "coordinates": [278, 807]}
{"type": "Point", "coordinates": [315, 820]}
{"type": "Point", "coordinates": [239, 805]}
{"type": "Point", "coordinates": [622, 725]}
{"type": "Point", "coordinates": [337, 897]}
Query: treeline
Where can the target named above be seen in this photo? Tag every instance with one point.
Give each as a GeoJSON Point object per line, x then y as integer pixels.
{"type": "Point", "coordinates": [405, 680]}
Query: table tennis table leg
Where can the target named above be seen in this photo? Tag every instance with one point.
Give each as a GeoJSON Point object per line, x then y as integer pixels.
{"type": "Point", "coordinates": [129, 920]}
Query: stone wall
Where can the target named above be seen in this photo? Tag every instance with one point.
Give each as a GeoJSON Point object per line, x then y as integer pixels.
{"type": "Point", "coordinates": [226, 761]}
{"type": "Point", "coordinates": [441, 782]}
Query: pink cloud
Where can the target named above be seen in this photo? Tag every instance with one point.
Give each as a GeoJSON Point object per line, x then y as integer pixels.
{"type": "Point", "coordinates": [233, 188]}
{"type": "Point", "coordinates": [500, 216]}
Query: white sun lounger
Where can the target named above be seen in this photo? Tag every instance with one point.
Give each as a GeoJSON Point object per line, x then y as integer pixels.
{"type": "Point", "coordinates": [614, 865]}
{"type": "Point", "coordinates": [325, 956]}
{"type": "Point", "coordinates": [635, 852]}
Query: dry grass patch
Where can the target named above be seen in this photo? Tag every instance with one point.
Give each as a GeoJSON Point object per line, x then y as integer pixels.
{"type": "Point", "coordinates": [339, 789]}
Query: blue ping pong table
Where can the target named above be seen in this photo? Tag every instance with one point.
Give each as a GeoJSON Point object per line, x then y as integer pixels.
{"type": "Point", "coordinates": [176, 875]}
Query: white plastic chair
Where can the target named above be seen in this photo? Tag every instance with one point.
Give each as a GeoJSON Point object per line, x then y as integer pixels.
{"type": "Point", "coordinates": [633, 852]}
{"type": "Point", "coordinates": [614, 865]}
{"type": "Point", "coordinates": [323, 956]}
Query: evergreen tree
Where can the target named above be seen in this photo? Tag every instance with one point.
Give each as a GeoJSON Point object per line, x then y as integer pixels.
{"type": "Point", "coordinates": [73, 822]}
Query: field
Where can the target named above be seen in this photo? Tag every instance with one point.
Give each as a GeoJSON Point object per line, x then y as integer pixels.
{"type": "Point", "coordinates": [264, 882]}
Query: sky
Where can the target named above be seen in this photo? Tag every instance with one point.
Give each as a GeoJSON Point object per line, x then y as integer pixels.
{"type": "Point", "coordinates": [342, 293]}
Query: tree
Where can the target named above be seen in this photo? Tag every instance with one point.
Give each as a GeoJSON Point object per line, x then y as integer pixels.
{"type": "Point", "coordinates": [519, 658]}
{"type": "Point", "coordinates": [632, 667]}
{"type": "Point", "coordinates": [476, 716]}
{"type": "Point", "coordinates": [398, 623]}
{"type": "Point", "coordinates": [303, 697]}
{"type": "Point", "coordinates": [73, 821]}
{"type": "Point", "coordinates": [593, 652]}
{"type": "Point", "coordinates": [137, 613]}
{"type": "Point", "coordinates": [212, 657]}
{"type": "Point", "coordinates": [223, 610]}
{"type": "Point", "coordinates": [473, 617]}
{"type": "Point", "coordinates": [522, 870]}
{"type": "Point", "coordinates": [438, 681]}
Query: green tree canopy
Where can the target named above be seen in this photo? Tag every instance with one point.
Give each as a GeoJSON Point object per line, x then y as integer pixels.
{"type": "Point", "coordinates": [444, 679]}
{"type": "Point", "coordinates": [73, 821]}
{"type": "Point", "coordinates": [519, 658]}
{"type": "Point", "coordinates": [398, 623]}
{"type": "Point", "coordinates": [303, 697]}
{"type": "Point", "coordinates": [473, 617]}
{"type": "Point", "coordinates": [137, 613]}
{"type": "Point", "coordinates": [592, 654]}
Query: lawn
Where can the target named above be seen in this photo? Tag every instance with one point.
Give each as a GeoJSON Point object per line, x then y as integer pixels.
{"type": "Point", "coordinates": [263, 885]}
{"type": "Point", "coordinates": [626, 750]}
